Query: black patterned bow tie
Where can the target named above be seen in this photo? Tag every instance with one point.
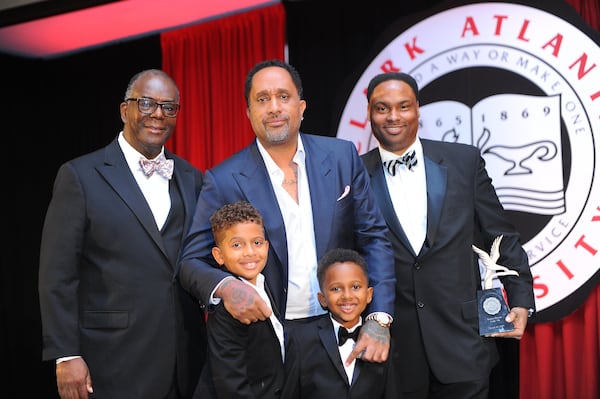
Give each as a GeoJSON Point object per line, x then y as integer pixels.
{"type": "Point", "coordinates": [344, 335]}
{"type": "Point", "coordinates": [409, 159]}
{"type": "Point", "coordinates": [160, 165]}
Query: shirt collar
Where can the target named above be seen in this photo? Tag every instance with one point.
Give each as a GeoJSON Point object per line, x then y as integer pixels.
{"type": "Point", "coordinates": [260, 281]}
{"type": "Point", "coordinates": [271, 166]}
{"type": "Point", "coordinates": [132, 156]}
{"type": "Point", "coordinates": [337, 325]}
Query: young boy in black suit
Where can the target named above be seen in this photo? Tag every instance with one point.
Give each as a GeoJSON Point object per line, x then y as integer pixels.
{"type": "Point", "coordinates": [315, 349]}
{"type": "Point", "coordinates": [244, 360]}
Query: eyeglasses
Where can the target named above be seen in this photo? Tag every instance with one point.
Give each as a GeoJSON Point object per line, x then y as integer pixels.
{"type": "Point", "coordinates": [148, 106]}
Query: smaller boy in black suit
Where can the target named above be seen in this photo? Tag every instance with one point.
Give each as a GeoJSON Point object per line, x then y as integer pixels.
{"type": "Point", "coordinates": [315, 349]}
{"type": "Point", "coordinates": [244, 361]}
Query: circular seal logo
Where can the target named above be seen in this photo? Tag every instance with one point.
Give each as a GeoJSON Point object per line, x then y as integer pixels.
{"type": "Point", "coordinates": [491, 305]}
{"type": "Point", "coordinates": [522, 85]}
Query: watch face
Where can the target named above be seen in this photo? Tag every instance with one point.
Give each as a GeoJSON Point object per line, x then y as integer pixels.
{"type": "Point", "coordinates": [382, 319]}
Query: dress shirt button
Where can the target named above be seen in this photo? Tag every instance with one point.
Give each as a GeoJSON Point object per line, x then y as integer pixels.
{"type": "Point", "coordinates": [420, 304]}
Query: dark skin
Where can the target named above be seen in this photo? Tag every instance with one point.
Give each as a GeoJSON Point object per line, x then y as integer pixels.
{"type": "Point", "coordinates": [393, 112]}
{"type": "Point", "coordinates": [394, 115]}
{"type": "Point", "coordinates": [147, 133]}
{"type": "Point", "coordinates": [275, 111]}
{"type": "Point", "coordinates": [345, 292]}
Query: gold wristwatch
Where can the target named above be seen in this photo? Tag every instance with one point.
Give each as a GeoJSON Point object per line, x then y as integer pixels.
{"type": "Point", "coordinates": [383, 319]}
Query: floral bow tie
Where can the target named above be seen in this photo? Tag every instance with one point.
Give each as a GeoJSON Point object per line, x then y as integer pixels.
{"type": "Point", "coordinates": [160, 165]}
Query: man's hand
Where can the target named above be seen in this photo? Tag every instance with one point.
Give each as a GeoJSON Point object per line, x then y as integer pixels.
{"type": "Point", "coordinates": [518, 317]}
{"type": "Point", "coordinates": [373, 343]}
{"type": "Point", "coordinates": [242, 301]}
{"type": "Point", "coordinates": [73, 379]}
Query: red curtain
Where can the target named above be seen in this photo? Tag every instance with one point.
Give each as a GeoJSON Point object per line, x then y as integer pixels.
{"type": "Point", "coordinates": [561, 360]}
{"type": "Point", "coordinates": [209, 62]}
{"type": "Point", "coordinates": [590, 11]}
{"type": "Point", "coordinates": [558, 360]}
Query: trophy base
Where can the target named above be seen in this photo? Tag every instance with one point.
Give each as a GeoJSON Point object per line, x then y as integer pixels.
{"type": "Point", "coordinates": [492, 310]}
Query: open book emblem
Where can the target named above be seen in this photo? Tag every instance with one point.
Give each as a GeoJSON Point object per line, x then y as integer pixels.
{"type": "Point", "coordinates": [518, 136]}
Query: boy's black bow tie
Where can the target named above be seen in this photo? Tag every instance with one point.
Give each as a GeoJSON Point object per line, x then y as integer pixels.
{"type": "Point", "coordinates": [343, 335]}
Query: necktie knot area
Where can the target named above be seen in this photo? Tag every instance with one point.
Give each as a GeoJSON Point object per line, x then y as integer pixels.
{"type": "Point", "coordinates": [344, 335]}
{"type": "Point", "coordinates": [161, 165]}
{"type": "Point", "coordinates": [409, 160]}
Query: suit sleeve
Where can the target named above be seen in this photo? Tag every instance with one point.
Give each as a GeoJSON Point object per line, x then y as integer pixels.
{"type": "Point", "coordinates": [199, 273]}
{"type": "Point", "coordinates": [372, 241]}
{"type": "Point", "coordinates": [61, 244]}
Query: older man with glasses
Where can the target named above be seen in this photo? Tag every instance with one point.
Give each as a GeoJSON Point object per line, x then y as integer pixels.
{"type": "Point", "coordinates": [115, 318]}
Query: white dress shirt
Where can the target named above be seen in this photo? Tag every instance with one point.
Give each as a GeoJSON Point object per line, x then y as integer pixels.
{"type": "Point", "coordinates": [408, 192]}
{"type": "Point", "coordinates": [155, 187]}
{"type": "Point", "coordinates": [346, 348]}
{"type": "Point", "coordinates": [300, 235]}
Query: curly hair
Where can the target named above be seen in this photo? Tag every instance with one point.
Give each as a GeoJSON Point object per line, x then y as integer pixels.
{"type": "Point", "coordinates": [231, 214]}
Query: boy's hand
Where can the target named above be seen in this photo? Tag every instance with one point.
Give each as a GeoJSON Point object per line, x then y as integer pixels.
{"type": "Point", "coordinates": [373, 343]}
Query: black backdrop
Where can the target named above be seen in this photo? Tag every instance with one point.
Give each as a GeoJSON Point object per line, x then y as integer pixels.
{"type": "Point", "coordinates": [53, 110]}
{"type": "Point", "coordinates": [56, 109]}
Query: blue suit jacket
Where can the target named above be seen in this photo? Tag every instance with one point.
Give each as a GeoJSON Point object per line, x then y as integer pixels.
{"type": "Point", "coordinates": [351, 222]}
{"type": "Point", "coordinates": [436, 320]}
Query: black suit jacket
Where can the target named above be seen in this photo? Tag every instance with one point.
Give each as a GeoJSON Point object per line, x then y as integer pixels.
{"type": "Point", "coordinates": [315, 370]}
{"type": "Point", "coordinates": [244, 361]}
{"type": "Point", "coordinates": [107, 280]}
{"type": "Point", "coordinates": [436, 319]}
{"type": "Point", "coordinates": [345, 215]}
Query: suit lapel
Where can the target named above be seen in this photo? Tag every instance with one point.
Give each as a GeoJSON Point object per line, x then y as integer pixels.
{"type": "Point", "coordinates": [274, 306]}
{"type": "Point", "coordinates": [254, 182]}
{"type": "Point", "coordinates": [321, 181]}
{"type": "Point", "coordinates": [184, 178]}
{"type": "Point", "coordinates": [379, 186]}
{"type": "Point", "coordinates": [118, 175]}
{"type": "Point", "coordinates": [330, 344]}
{"type": "Point", "coordinates": [437, 177]}
{"type": "Point", "coordinates": [436, 181]}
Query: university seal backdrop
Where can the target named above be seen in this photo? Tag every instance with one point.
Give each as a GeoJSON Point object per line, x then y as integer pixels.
{"type": "Point", "coordinates": [522, 84]}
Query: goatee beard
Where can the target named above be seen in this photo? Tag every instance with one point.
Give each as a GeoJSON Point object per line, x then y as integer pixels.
{"type": "Point", "coordinates": [278, 137]}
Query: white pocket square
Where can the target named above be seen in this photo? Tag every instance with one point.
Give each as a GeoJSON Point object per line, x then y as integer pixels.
{"type": "Point", "coordinates": [345, 193]}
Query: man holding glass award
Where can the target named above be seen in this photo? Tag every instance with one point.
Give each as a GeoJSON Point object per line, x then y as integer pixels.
{"type": "Point", "coordinates": [439, 204]}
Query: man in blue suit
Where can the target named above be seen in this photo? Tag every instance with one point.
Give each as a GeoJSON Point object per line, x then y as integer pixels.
{"type": "Point", "coordinates": [438, 200]}
{"type": "Point", "coordinates": [314, 195]}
